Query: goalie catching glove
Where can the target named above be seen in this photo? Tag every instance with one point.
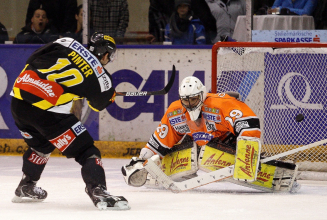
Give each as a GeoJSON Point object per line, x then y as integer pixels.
{"type": "Point", "coordinates": [134, 173]}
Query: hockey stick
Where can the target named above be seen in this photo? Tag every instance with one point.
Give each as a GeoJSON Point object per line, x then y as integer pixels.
{"type": "Point", "coordinates": [148, 93]}
{"type": "Point", "coordinates": [210, 177]}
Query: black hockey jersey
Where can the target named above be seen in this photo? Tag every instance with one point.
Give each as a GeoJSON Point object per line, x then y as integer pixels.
{"type": "Point", "coordinates": [60, 72]}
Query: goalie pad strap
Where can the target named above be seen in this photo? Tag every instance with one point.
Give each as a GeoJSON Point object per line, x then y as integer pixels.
{"type": "Point", "coordinates": [281, 164]}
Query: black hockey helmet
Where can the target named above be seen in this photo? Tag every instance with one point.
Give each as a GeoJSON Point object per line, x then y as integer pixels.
{"type": "Point", "coordinates": [100, 44]}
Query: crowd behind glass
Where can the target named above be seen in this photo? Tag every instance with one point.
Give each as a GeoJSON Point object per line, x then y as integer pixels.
{"type": "Point", "coordinates": [172, 21]}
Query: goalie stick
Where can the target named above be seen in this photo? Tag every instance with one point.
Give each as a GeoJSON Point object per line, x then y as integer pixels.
{"type": "Point", "coordinates": [210, 177]}
{"type": "Point", "coordinates": [148, 93]}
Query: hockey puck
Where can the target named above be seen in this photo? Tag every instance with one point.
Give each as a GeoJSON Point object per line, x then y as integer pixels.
{"type": "Point", "coordinates": [299, 118]}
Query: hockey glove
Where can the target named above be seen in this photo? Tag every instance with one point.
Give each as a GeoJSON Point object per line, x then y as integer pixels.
{"type": "Point", "coordinates": [134, 173]}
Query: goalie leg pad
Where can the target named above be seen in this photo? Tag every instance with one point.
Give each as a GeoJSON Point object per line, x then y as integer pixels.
{"type": "Point", "coordinates": [181, 164]}
{"type": "Point", "coordinates": [272, 178]}
{"type": "Point", "coordinates": [212, 159]}
{"type": "Point", "coordinates": [134, 173]}
{"type": "Point", "coordinates": [247, 159]}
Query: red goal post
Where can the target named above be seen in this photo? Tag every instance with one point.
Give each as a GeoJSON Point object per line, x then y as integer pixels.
{"type": "Point", "coordinates": [279, 81]}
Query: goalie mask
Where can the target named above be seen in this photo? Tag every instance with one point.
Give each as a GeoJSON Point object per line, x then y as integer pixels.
{"type": "Point", "coordinates": [192, 94]}
{"type": "Point", "coordinates": [100, 44]}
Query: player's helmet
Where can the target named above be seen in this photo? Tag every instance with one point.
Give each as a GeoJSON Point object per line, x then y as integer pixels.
{"type": "Point", "coordinates": [100, 44]}
{"type": "Point", "coordinates": [192, 94]}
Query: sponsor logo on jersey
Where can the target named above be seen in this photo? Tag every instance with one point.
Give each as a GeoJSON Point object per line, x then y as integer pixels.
{"type": "Point", "coordinates": [183, 128]}
{"type": "Point", "coordinates": [153, 143]}
{"type": "Point", "coordinates": [88, 56]}
{"type": "Point", "coordinates": [175, 112]}
{"type": "Point", "coordinates": [26, 135]}
{"type": "Point", "coordinates": [217, 163]}
{"type": "Point", "coordinates": [240, 125]}
{"type": "Point", "coordinates": [78, 128]}
{"type": "Point", "coordinates": [64, 140]}
{"type": "Point", "coordinates": [178, 163]}
{"type": "Point", "coordinates": [212, 117]}
{"type": "Point", "coordinates": [202, 136]}
{"type": "Point", "coordinates": [30, 82]}
{"type": "Point", "coordinates": [210, 126]}
{"type": "Point", "coordinates": [177, 120]}
{"type": "Point", "coordinates": [26, 78]}
{"type": "Point", "coordinates": [105, 82]}
{"type": "Point", "coordinates": [36, 159]}
{"type": "Point", "coordinates": [213, 110]}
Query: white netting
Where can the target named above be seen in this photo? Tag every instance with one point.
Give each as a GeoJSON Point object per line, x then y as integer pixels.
{"type": "Point", "coordinates": [279, 84]}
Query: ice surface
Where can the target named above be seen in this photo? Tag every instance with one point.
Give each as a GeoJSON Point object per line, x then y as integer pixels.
{"type": "Point", "coordinates": [67, 199]}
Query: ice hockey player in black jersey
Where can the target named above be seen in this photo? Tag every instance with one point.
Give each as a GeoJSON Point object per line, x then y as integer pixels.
{"type": "Point", "coordinates": [43, 93]}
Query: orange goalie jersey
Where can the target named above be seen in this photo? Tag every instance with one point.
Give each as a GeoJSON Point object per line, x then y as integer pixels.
{"type": "Point", "coordinates": [220, 114]}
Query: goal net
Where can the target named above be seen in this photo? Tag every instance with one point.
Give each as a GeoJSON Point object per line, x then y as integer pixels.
{"type": "Point", "coordinates": [279, 81]}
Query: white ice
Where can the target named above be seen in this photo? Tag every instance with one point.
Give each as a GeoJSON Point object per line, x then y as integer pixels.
{"type": "Point", "coordinates": [222, 200]}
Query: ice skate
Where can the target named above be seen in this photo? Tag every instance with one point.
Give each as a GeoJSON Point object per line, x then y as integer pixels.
{"type": "Point", "coordinates": [104, 201]}
{"type": "Point", "coordinates": [27, 191]}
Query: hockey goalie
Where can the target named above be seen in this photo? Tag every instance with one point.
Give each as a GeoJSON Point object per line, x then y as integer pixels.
{"type": "Point", "coordinates": [208, 132]}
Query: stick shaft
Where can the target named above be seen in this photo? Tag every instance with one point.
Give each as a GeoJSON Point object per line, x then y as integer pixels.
{"type": "Point", "coordinates": [305, 147]}
{"type": "Point", "coordinates": [148, 93]}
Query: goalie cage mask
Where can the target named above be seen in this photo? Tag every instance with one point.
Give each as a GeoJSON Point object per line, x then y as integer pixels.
{"type": "Point", "coordinates": [100, 44]}
{"type": "Point", "coordinates": [190, 90]}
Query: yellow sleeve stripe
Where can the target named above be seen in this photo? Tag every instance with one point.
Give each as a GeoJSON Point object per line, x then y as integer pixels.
{"type": "Point", "coordinates": [43, 104]}
{"type": "Point", "coordinates": [65, 98]}
{"type": "Point", "coordinates": [17, 93]}
{"type": "Point", "coordinates": [94, 109]}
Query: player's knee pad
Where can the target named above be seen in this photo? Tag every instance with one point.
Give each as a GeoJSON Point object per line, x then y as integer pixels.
{"type": "Point", "coordinates": [181, 162]}
{"type": "Point", "coordinates": [91, 151]}
{"type": "Point", "coordinates": [34, 163]}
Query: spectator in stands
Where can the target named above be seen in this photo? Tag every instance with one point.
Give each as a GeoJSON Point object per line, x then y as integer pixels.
{"type": "Point", "coordinates": [295, 7]}
{"type": "Point", "coordinates": [202, 11]}
{"type": "Point", "coordinates": [260, 7]}
{"type": "Point", "coordinates": [59, 12]}
{"type": "Point", "coordinates": [226, 13]}
{"type": "Point", "coordinates": [159, 14]}
{"type": "Point", "coordinates": [320, 15]}
{"type": "Point", "coordinates": [77, 31]}
{"type": "Point", "coordinates": [160, 11]}
{"type": "Point", "coordinates": [38, 31]}
{"type": "Point", "coordinates": [3, 34]}
{"type": "Point", "coordinates": [182, 27]}
{"type": "Point", "coordinates": [109, 16]}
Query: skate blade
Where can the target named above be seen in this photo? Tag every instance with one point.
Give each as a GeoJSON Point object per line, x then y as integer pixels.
{"type": "Point", "coordinates": [18, 199]}
{"type": "Point", "coordinates": [120, 205]}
